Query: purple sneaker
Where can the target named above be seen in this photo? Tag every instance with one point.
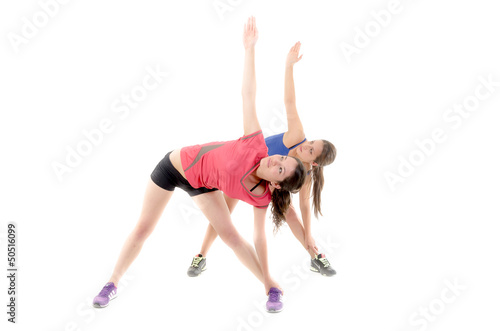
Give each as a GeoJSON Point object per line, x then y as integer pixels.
{"type": "Point", "coordinates": [107, 293]}
{"type": "Point", "coordinates": [274, 303]}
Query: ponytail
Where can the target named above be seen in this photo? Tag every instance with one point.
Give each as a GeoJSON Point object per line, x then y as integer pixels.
{"type": "Point", "coordinates": [280, 204]}
{"type": "Point", "coordinates": [327, 156]}
{"type": "Point", "coordinates": [281, 198]}
{"type": "Point", "coordinates": [319, 181]}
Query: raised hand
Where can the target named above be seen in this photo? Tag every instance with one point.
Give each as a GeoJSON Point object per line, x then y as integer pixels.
{"type": "Point", "coordinates": [250, 33]}
{"type": "Point", "coordinates": [293, 55]}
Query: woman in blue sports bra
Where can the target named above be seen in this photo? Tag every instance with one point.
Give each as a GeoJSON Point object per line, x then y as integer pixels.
{"type": "Point", "coordinates": [314, 155]}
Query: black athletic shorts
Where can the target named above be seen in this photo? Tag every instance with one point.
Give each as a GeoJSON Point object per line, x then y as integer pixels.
{"type": "Point", "coordinates": [168, 178]}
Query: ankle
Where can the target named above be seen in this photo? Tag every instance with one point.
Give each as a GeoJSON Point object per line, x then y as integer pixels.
{"type": "Point", "coordinates": [114, 281]}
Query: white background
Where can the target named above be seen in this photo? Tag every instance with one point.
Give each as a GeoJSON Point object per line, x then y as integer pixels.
{"type": "Point", "coordinates": [393, 251]}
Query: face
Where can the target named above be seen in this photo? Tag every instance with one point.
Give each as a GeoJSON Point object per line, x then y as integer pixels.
{"type": "Point", "coordinates": [276, 168]}
{"type": "Point", "coordinates": [310, 150]}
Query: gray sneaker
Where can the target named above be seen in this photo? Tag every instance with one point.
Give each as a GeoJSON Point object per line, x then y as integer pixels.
{"type": "Point", "coordinates": [198, 265]}
{"type": "Point", "coordinates": [320, 264]}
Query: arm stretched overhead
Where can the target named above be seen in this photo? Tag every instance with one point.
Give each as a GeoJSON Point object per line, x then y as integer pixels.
{"type": "Point", "coordinates": [295, 133]}
{"type": "Point", "coordinates": [249, 87]}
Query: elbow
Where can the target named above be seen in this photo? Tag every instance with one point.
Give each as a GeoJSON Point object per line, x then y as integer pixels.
{"type": "Point", "coordinates": [305, 207]}
{"type": "Point", "coordinates": [259, 239]}
{"type": "Point", "coordinates": [260, 246]}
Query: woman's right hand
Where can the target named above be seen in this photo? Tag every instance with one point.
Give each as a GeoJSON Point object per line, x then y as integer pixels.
{"type": "Point", "coordinates": [293, 55]}
{"type": "Point", "coordinates": [311, 245]}
{"type": "Point", "coordinates": [250, 33]}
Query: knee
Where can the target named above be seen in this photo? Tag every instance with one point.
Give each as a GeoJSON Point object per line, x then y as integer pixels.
{"type": "Point", "coordinates": [142, 232]}
{"type": "Point", "coordinates": [233, 240]}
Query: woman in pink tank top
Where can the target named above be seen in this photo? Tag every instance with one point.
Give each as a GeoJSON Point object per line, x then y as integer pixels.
{"type": "Point", "coordinates": [242, 169]}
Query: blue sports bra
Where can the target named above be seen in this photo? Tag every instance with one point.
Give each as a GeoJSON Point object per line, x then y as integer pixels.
{"type": "Point", "coordinates": [275, 145]}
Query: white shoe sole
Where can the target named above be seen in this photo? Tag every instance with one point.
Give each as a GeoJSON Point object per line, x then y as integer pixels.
{"type": "Point", "coordinates": [272, 311]}
{"type": "Point", "coordinates": [96, 305]}
{"type": "Point", "coordinates": [198, 275]}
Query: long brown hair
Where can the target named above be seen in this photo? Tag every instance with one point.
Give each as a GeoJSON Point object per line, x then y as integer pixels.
{"type": "Point", "coordinates": [281, 198]}
{"type": "Point", "coordinates": [326, 157]}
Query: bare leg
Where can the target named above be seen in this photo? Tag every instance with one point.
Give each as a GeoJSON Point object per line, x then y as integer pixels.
{"type": "Point", "coordinates": [211, 234]}
{"type": "Point", "coordinates": [297, 228]}
{"type": "Point", "coordinates": [154, 203]}
{"type": "Point", "coordinates": [214, 208]}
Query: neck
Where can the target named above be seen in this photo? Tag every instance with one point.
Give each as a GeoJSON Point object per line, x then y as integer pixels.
{"type": "Point", "coordinates": [294, 153]}
{"type": "Point", "coordinates": [257, 175]}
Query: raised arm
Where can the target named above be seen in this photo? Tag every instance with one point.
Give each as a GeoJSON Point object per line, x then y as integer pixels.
{"type": "Point", "coordinates": [295, 133]}
{"type": "Point", "coordinates": [249, 87]}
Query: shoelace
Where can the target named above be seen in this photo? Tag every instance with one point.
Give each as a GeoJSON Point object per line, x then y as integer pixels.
{"type": "Point", "coordinates": [274, 296]}
{"type": "Point", "coordinates": [196, 261]}
{"type": "Point", "coordinates": [325, 262]}
{"type": "Point", "coordinates": [106, 290]}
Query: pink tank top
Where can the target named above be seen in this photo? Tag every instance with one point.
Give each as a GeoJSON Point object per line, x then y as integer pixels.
{"type": "Point", "coordinates": [225, 165]}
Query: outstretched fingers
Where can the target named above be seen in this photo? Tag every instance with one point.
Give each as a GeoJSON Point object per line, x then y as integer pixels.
{"type": "Point", "coordinates": [250, 33]}
{"type": "Point", "coordinates": [251, 19]}
{"type": "Point", "coordinates": [293, 55]}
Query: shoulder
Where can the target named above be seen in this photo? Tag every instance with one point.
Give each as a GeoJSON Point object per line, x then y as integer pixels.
{"type": "Point", "coordinates": [254, 139]}
{"type": "Point", "coordinates": [253, 135]}
{"type": "Point", "coordinates": [292, 138]}
{"type": "Point", "coordinates": [277, 136]}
